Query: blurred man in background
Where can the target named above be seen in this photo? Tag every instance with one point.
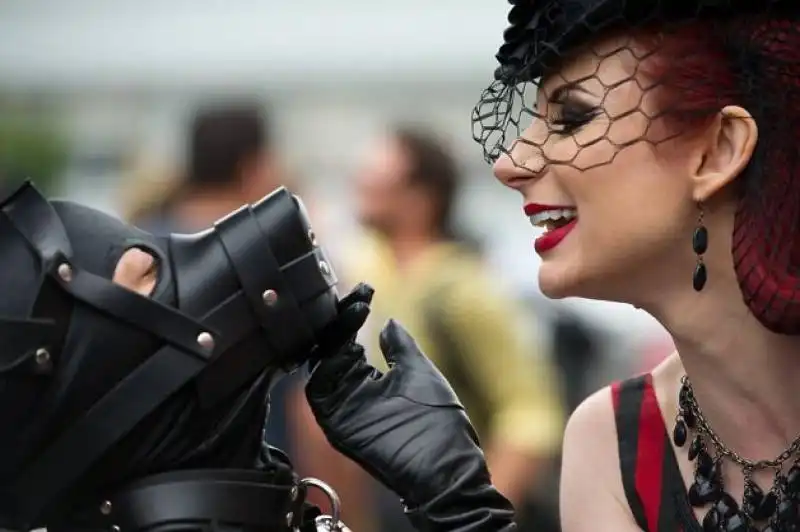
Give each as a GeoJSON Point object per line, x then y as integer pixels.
{"type": "Point", "coordinates": [232, 161]}
{"type": "Point", "coordinates": [438, 288]}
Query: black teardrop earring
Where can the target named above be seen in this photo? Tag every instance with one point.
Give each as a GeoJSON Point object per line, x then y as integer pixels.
{"type": "Point", "coordinates": [700, 245]}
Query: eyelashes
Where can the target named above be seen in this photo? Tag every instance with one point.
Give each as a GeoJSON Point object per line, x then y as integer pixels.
{"type": "Point", "coordinates": [570, 117]}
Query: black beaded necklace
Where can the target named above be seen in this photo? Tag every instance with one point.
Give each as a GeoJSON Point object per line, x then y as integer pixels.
{"type": "Point", "coordinates": [778, 510]}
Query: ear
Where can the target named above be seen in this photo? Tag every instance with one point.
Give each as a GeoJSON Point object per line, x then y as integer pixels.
{"type": "Point", "coordinates": [726, 147]}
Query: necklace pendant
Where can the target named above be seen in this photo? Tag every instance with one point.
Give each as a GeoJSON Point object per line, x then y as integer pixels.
{"type": "Point", "coordinates": [689, 418]}
{"type": "Point", "coordinates": [705, 464]}
{"type": "Point", "coordinates": [703, 491]}
{"type": "Point", "coordinates": [752, 500]}
{"type": "Point", "coordinates": [738, 523]}
{"type": "Point", "coordinates": [711, 522]}
{"type": "Point", "coordinates": [792, 488]}
{"type": "Point", "coordinates": [695, 448]}
{"type": "Point", "coordinates": [726, 506]}
{"type": "Point", "coordinates": [789, 513]}
{"type": "Point", "coordinates": [680, 433]}
{"type": "Point", "coordinates": [766, 507]}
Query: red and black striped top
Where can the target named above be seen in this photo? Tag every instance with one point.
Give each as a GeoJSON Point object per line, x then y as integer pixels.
{"type": "Point", "coordinates": [650, 475]}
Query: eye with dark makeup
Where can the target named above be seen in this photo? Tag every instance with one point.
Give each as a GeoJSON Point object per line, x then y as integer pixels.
{"type": "Point", "coordinates": [570, 116]}
{"type": "Point", "coordinates": [569, 113]}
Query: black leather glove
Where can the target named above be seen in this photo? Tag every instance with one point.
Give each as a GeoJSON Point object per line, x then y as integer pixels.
{"type": "Point", "coordinates": [408, 429]}
{"type": "Point", "coordinates": [353, 310]}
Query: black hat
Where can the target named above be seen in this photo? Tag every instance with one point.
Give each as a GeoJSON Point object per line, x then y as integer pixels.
{"type": "Point", "coordinates": [541, 31]}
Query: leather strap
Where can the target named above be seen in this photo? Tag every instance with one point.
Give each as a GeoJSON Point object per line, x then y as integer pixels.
{"type": "Point", "coordinates": [244, 499]}
{"type": "Point", "coordinates": [34, 217]}
{"type": "Point", "coordinates": [66, 459]}
{"type": "Point", "coordinates": [256, 268]}
{"type": "Point", "coordinates": [21, 339]}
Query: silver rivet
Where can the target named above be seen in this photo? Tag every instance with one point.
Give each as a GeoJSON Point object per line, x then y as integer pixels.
{"type": "Point", "coordinates": [312, 237]}
{"type": "Point", "coordinates": [294, 493]}
{"type": "Point", "coordinates": [205, 340]}
{"type": "Point", "coordinates": [115, 528]}
{"type": "Point", "coordinates": [42, 357]}
{"type": "Point", "coordinates": [289, 518]}
{"type": "Point", "coordinates": [270, 297]}
{"type": "Point", "coordinates": [324, 268]}
{"type": "Point", "coordinates": [105, 508]}
{"type": "Point", "coordinates": [65, 272]}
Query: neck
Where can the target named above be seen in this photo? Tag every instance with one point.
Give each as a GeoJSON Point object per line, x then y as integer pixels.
{"type": "Point", "coordinates": [745, 377]}
{"type": "Point", "coordinates": [407, 247]}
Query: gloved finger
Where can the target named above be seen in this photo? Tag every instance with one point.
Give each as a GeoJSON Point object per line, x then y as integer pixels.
{"type": "Point", "coordinates": [344, 327]}
{"type": "Point", "coordinates": [362, 293]}
{"type": "Point", "coordinates": [337, 377]}
{"type": "Point", "coordinates": [397, 345]}
{"type": "Point", "coordinates": [402, 352]}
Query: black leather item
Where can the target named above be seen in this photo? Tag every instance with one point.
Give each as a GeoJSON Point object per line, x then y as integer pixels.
{"type": "Point", "coordinates": [270, 500]}
{"type": "Point", "coordinates": [351, 314]}
{"type": "Point", "coordinates": [247, 498]}
{"type": "Point", "coordinates": [111, 385]}
{"type": "Point", "coordinates": [409, 430]}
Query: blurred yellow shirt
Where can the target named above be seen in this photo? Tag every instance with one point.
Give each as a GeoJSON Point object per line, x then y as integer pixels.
{"type": "Point", "coordinates": [511, 394]}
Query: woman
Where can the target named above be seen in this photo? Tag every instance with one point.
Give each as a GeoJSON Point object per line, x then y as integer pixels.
{"type": "Point", "coordinates": [661, 162]}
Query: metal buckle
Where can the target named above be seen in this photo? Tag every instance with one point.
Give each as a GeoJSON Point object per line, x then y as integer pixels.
{"type": "Point", "coordinates": [326, 523]}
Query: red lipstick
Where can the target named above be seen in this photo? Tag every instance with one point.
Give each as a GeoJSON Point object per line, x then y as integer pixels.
{"type": "Point", "coordinates": [535, 208]}
{"type": "Point", "coordinates": [552, 238]}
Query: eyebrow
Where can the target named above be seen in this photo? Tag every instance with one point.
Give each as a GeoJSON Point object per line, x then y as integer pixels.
{"type": "Point", "coordinates": [561, 92]}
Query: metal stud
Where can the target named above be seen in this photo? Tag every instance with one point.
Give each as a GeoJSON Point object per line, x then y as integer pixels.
{"type": "Point", "coordinates": [65, 272]}
{"type": "Point", "coordinates": [312, 237]}
{"type": "Point", "coordinates": [105, 508]}
{"type": "Point", "coordinates": [324, 268]}
{"type": "Point", "coordinates": [42, 357]}
{"type": "Point", "coordinates": [294, 493]}
{"type": "Point", "coordinates": [205, 340]}
{"type": "Point", "coordinates": [289, 519]}
{"type": "Point", "coordinates": [270, 297]}
{"type": "Point", "coordinates": [115, 528]}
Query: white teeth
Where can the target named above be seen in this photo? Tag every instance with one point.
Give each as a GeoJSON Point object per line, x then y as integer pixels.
{"type": "Point", "coordinates": [545, 218]}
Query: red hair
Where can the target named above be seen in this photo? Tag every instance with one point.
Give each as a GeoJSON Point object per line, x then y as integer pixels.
{"type": "Point", "coordinates": [753, 63]}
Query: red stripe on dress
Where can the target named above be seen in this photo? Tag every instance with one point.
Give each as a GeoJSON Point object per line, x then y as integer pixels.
{"type": "Point", "coordinates": [650, 456]}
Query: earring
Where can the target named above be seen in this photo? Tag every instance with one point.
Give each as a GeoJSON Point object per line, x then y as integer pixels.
{"type": "Point", "coordinates": [700, 245]}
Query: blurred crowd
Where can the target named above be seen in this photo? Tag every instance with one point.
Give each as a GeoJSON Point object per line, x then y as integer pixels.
{"type": "Point", "coordinates": [405, 214]}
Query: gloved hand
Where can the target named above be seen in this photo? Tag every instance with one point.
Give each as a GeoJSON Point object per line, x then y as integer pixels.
{"type": "Point", "coordinates": [407, 428]}
{"type": "Point", "coordinates": [353, 310]}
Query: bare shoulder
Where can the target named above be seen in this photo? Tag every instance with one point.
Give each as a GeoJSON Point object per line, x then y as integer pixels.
{"type": "Point", "coordinates": [595, 416]}
{"type": "Point", "coordinates": [590, 439]}
{"type": "Point", "coordinates": [592, 496]}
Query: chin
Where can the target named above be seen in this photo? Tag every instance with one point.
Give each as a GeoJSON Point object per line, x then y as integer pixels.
{"type": "Point", "coordinates": [556, 283]}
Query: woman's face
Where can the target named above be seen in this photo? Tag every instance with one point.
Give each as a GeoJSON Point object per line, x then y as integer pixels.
{"type": "Point", "coordinates": [598, 153]}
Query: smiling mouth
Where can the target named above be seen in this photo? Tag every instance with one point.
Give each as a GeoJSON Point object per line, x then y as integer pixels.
{"type": "Point", "coordinates": [553, 218]}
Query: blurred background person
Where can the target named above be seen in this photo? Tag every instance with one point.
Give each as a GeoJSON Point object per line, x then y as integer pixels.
{"type": "Point", "coordinates": [437, 286]}
{"type": "Point", "coordinates": [147, 192]}
{"type": "Point", "coordinates": [231, 161]}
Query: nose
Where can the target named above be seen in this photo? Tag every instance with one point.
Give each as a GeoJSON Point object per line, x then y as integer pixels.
{"type": "Point", "coordinates": [518, 166]}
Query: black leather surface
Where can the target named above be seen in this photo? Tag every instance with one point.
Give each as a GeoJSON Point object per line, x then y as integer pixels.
{"type": "Point", "coordinates": [408, 429]}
